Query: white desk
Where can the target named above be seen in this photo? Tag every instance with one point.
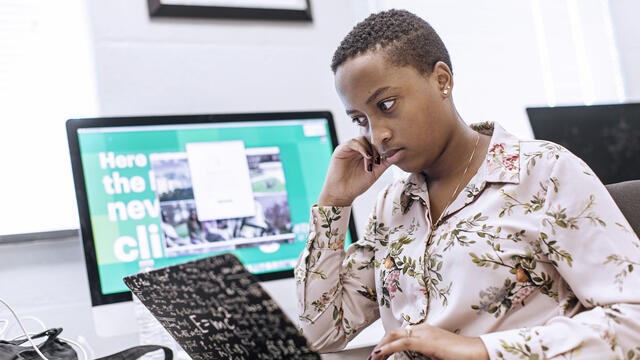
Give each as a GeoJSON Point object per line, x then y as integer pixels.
{"type": "Point", "coordinates": [47, 279]}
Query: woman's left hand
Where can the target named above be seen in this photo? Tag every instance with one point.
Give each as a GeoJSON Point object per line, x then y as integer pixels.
{"type": "Point", "coordinates": [432, 341]}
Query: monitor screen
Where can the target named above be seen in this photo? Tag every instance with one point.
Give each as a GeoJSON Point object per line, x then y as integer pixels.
{"type": "Point", "coordinates": [158, 191]}
{"type": "Point", "coordinates": [606, 137]}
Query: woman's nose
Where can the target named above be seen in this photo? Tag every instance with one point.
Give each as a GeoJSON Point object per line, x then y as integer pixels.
{"type": "Point", "coordinates": [379, 134]}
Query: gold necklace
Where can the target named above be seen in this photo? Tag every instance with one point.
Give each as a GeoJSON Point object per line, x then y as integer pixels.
{"type": "Point", "coordinates": [461, 180]}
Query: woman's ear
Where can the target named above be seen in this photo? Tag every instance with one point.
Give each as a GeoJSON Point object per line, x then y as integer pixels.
{"type": "Point", "coordinates": [444, 78]}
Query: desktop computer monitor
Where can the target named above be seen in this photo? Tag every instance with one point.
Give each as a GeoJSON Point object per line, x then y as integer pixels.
{"type": "Point", "coordinates": [158, 191]}
{"type": "Point", "coordinates": [606, 137]}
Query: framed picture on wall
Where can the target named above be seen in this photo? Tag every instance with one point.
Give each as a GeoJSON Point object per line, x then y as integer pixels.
{"type": "Point", "coordinates": [294, 10]}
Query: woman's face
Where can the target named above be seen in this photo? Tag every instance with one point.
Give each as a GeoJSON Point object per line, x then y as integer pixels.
{"type": "Point", "coordinates": [402, 112]}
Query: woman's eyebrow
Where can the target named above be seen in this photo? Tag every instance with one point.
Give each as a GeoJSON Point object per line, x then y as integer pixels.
{"type": "Point", "coordinates": [373, 96]}
{"type": "Point", "coordinates": [377, 93]}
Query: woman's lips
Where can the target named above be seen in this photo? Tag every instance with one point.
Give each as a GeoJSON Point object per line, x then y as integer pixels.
{"type": "Point", "coordinates": [393, 155]}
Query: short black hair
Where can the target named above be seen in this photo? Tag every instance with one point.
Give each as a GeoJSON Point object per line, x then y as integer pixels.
{"type": "Point", "coordinates": [406, 38]}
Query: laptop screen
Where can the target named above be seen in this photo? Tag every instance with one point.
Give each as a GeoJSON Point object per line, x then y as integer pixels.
{"type": "Point", "coordinates": [159, 193]}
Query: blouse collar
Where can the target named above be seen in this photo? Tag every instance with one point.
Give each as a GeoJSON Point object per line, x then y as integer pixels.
{"type": "Point", "coordinates": [501, 165]}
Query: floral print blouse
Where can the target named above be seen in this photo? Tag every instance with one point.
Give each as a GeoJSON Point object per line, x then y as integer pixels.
{"type": "Point", "coordinates": [533, 256]}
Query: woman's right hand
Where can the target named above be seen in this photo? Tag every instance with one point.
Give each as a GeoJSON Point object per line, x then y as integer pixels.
{"type": "Point", "coordinates": [354, 167]}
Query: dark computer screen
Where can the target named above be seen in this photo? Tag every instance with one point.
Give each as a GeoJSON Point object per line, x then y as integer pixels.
{"type": "Point", "coordinates": [606, 137]}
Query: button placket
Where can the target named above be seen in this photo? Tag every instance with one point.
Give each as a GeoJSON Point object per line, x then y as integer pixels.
{"type": "Point", "coordinates": [312, 232]}
{"type": "Point", "coordinates": [427, 258]}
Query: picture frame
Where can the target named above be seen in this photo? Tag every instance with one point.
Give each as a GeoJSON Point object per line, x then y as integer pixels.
{"type": "Point", "coordinates": [287, 10]}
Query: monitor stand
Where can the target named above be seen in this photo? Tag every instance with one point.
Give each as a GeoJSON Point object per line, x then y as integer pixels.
{"type": "Point", "coordinates": [283, 292]}
{"type": "Point", "coordinates": [115, 319]}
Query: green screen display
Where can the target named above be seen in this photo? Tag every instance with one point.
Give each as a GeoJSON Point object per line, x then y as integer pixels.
{"type": "Point", "coordinates": [164, 194]}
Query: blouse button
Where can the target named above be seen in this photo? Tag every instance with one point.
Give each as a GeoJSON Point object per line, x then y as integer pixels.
{"type": "Point", "coordinates": [423, 303]}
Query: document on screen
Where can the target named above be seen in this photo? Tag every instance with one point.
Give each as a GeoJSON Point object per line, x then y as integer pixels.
{"type": "Point", "coordinates": [220, 177]}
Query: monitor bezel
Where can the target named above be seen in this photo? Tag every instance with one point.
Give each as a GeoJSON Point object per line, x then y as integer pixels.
{"type": "Point", "coordinates": [86, 230]}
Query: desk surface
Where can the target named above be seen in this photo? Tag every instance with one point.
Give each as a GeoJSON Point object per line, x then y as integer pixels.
{"type": "Point", "coordinates": [61, 297]}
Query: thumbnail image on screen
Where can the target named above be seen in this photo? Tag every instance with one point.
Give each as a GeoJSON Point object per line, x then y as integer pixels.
{"type": "Point", "coordinates": [159, 195]}
{"type": "Point", "coordinates": [265, 219]}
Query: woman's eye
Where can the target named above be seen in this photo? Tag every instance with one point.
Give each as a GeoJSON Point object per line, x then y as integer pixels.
{"type": "Point", "coordinates": [387, 104]}
{"type": "Point", "coordinates": [359, 120]}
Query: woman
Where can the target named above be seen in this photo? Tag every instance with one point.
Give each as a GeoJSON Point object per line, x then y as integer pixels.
{"type": "Point", "coordinates": [196, 230]}
{"type": "Point", "coordinates": [493, 247]}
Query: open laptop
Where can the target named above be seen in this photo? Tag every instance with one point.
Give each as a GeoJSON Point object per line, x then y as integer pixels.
{"type": "Point", "coordinates": [215, 309]}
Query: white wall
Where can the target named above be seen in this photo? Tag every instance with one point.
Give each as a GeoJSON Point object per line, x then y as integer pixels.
{"type": "Point", "coordinates": [187, 66]}
{"type": "Point", "coordinates": [627, 32]}
{"type": "Point", "coordinates": [46, 77]}
{"type": "Point", "coordinates": [509, 55]}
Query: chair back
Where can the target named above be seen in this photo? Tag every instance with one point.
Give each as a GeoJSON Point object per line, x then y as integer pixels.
{"type": "Point", "coordinates": [626, 194]}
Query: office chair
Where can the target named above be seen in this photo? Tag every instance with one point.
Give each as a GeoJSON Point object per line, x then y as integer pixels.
{"type": "Point", "coordinates": [626, 194]}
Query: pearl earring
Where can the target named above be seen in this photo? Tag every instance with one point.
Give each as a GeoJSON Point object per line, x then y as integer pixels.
{"type": "Point", "coordinates": [445, 91]}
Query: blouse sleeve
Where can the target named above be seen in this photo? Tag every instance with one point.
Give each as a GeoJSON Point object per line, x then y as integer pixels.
{"type": "Point", "coordinates": [594, 249]}
{"type": "Point", "coordinates": [336, 290]}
